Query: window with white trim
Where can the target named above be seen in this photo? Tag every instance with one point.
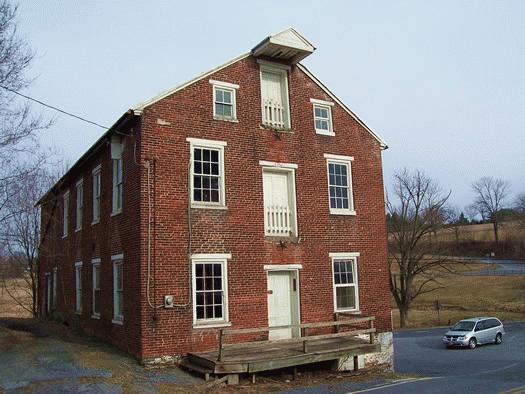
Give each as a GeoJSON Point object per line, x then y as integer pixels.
{"type": "Point", "coordinates": [323, 117]}
{"type": "Point", "coordinates": [340, 191]}
{"type": "Point", "coordinates": [65, 216]}
{"type": "Point", "coordinates": [79, 205]}
{"type": "Point", "coordinates": [96, 194]}
{"type": "Point", "coordinates": [210, 289]}
{"type": "Point", "coordinates": [55, 287]}
{"type": "Point", "coordinates": [224, 100]}
{"type": "Point", "coordinates": [280, 215]}
{"type": "Point", "coordinates": [274, 97]}
{"type": "Point", "coordinates": [96, 287]}
{"type": "Point", "coordinates": [346, 290]}
{"type": "Point", "coordinates": [78, 287]}
{"type": "Point", "coordinates": [207, 173]}
{"type": "Point", "coordinates": [117, 186]}
{"type": "Point", "coordinates": [118, 289]}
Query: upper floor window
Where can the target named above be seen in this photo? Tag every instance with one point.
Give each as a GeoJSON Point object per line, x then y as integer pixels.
{"type": "Point", "coordinates": [346, 291]}
{"type": "Point", "coordinates": [65, 217]}
{"type": "Point", "coordinates": [323, 117]}
{"type": "Point", "coordinates": [224, 100]}
{"type": "Point", "coordinates": [96, 194]}
{"type": "Point", "coordinates": [207, 173]}
{"type": "Point", "coordinates": [117, 186]}
{"type": "Point", "coordinates": [280, 216]}
{"type": "Point", "coordinates": [340, 184]}
{"type": "Point", "coordinates": [274, 96]}
{"type": "Point", "coordinates": [210, 289]}
{"type": "Point", "coordinates": [79, 205]}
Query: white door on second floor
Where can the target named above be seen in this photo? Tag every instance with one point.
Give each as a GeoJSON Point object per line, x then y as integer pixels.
{"type": "Point", "coordinates": [277, 207]}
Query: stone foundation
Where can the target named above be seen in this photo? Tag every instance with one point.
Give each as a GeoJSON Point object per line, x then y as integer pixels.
{"type": "Point", "coordinates": [383, 360]}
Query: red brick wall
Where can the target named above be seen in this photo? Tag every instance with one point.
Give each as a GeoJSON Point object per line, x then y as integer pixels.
{"type": "Point", "coordinates": [112, 235]}
{"type": "Point", "coordinates": [239, 230]}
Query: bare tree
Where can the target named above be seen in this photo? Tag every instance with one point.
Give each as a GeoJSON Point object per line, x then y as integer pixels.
{"type": "Point", "coordinates": [490, 197]}
{"type": "Point", "coordinates": [519, 204]}
{"type": "Point", "coordinates": [417, 210]}
{"type": "Point", "coordinates": [20, 235]}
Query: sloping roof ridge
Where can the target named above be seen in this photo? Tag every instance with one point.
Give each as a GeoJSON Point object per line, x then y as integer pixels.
{"type": "Point", "coordinates": [302, 67]}
{"type": "Point", "coordinates": [140, 106]}
{"type": "Point", "coordinates": [299, 35]}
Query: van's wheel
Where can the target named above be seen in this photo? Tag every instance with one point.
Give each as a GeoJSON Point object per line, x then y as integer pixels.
{"type": "Point", "coordinates": [472, 343]}
{"type": "Point", "coordinates": [499, 339]}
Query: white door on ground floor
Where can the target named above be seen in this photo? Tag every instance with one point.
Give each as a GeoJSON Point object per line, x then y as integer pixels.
{"type": "Point", "coordinates": [282, 303]}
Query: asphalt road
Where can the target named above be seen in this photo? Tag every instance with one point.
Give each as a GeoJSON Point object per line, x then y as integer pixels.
{"type": "Point", "coordinates": [486, 369]}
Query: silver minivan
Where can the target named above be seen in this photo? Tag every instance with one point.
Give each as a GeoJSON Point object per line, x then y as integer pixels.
{"type": "Point", "coordinates": [475, 331]}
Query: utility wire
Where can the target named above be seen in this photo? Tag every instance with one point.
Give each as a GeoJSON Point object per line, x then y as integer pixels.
{"type": "Point", "coordinates": [55, 108]}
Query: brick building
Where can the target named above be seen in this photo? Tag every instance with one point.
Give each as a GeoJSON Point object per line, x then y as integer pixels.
{"type": "Point", "coordinates": [250, 196]}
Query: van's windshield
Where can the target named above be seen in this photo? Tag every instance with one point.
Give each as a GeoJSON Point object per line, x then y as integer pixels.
{"type": "Point", "coordinates": [464, 326]}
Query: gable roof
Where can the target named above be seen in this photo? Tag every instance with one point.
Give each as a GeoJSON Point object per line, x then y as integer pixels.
{"type": "Point", "coordinates": [288, 45]}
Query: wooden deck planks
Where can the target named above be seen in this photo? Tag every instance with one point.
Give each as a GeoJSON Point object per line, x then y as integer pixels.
{"type": "Point", "coordinates": [260, 357]}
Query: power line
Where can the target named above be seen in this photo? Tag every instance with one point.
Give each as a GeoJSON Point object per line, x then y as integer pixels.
{"type": "Point", "coordinates": [55, 108]}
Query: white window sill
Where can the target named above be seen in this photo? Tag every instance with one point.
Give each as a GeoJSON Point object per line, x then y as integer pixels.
{"type": "Point", "coordinates": [95, 222]}
{"type": "Point", "coordinates": [325, 132]}
{"type": "Point", "coordinates": [78, 229]}
{"type": "Point", "coordinates": [78, 312]}
{"type": "Point", "coordinates": [349, 311]}
{"type": "Point", "coordinates": [115, 213]}
{"type": "Point", "coordinates": [199, 326]}
{"type": "Point", "coordinates": [94, 316]}
{"type": "Point", "coordinates": [226, 119]}
{"type": "Point", "coordinates": [342, 212]}
{"type": "Point", "coordinates": [64, 236]}
{"type": "Point", "coordinates": [118, 321]}
{"type": "Point", "coordinates": [219, 207]}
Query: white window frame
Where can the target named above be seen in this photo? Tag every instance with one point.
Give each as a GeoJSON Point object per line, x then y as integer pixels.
{"type": "Point", "coordinates": [97, 194]}
{"type": "Point", "coordinates": [341, 160]}
{"type": "Point", "coordinates": [48, 292]}
{"type": "Point", "coordinates": [209, 144]}
{"type": "Point", "coordinates": [117, 260]}
{"type": "Point", "coordinates": [65, 214]}
{"type": "Point", "coordinates": [115, 208]}
{"type": "Point", "coordinates": [328, 106]}
{"type": "Point", "coordinates": [289, 169]}
{"type": "Point", "coordinates": [78, 287]}
{"type": "Point", "coordinates": [212, 258]}
{"type": "Point", "coordinates": [282, 70]}
{"type": "Point", "coordinates": [230, 87]}
{"type": "Point", "coordinates": [79, 205]}
{"type": "Point", "coordinates": [346, 256]}
{"type": "Point", "coordinates": [54, 294]}
{"type": "Point", "coordinates": [95, 263]}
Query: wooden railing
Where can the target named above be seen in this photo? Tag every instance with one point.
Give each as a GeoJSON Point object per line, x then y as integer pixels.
{"type": "Point", "coordinates": [273, 113]}
{"type": "Point", "coordinates": [278, 220]}
{"type": "Point", "coordinates": [305, 338]}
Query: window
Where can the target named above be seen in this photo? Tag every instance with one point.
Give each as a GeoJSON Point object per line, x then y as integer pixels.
{"type": "Point", "coordinates": [117, 186]}
{"type": "Point", "coordinates": [323, 117]}
{"type": "Point", "coordinates": [279, 199]}
{"type": "Point", "coordinates": [48, 292]}
{"type": "Point", "coordinates": [210, 289]}
{"type": "Point", "coordinates": [55, 287]}
{"type": "Point", "coordinates": [65, 221]}
{"type": "Point", "coordinates": [224, 100]}
{"type": "Point", "coordinates": [79, 205]}
{"type": "Point", "coordinates": [96, 195]}
{"type": "Point", "coordinates": [346, 292]}
{"type": "Point", "coordinates": [78, 287]}
{"type": "Point", "coordinates": [274, 96]}
{"type": "Point", "coordinates": [118, 289]}
{"type": "Point", "coordinates": [96, 288]}
{"type": "Point", "coordinates": [340, 184]}
{"type": "Point", "coordinates": [207, 173]}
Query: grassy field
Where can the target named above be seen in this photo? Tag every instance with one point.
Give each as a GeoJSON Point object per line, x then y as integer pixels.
{"type": "Point", "coordinates": [483, 232]}
{"type": "Point", "coordinates": [8, 308]}
{"type": "Point", "coordinates": [467, 296]}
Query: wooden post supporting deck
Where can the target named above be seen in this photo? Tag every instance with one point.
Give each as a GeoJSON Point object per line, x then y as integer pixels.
{"type": "Point", "coordinates": [221, 335]}
{"type": "Point", "coordinates": [305, 342]}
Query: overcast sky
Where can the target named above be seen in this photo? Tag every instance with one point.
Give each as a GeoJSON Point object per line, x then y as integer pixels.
{"type": "Point", "coordinates": [443, 82]}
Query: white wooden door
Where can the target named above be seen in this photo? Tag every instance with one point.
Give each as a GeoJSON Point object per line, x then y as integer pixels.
{"type": "Point", "coordinates": [277, 209]}
{"type": "Point", "coordinates": [279, 304]}
{"type": "Point", "coordinates": [271, 87]}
